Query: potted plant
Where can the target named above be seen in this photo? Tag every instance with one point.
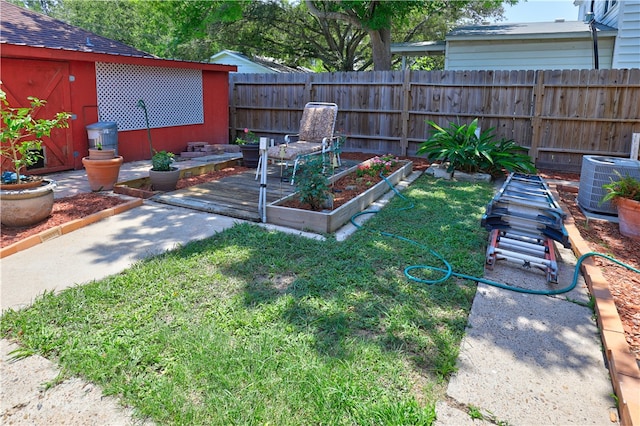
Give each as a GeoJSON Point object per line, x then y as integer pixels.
{"type": "Point", "coordinates": [100, 153]}
{"type": "Point", "coordinates": [163, 176]}
{"type": "Point", "coordinates": [465, 149]}
{"type": "Point", "coordinates": [102, 167]}
{"type": "Point", "coordinates": [26, 200]}
{"type": "Point", "coordinates": [250, 149]}
{"type": "Point", "coordinates": [624, 193]}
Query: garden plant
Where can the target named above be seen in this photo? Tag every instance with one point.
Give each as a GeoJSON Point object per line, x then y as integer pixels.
{"type": "Point", "coordinates": [21, 135]}
{"type": "Point", "coordinates": [311, 183]}
{"type": "Point", "coordinates": [468, 150]}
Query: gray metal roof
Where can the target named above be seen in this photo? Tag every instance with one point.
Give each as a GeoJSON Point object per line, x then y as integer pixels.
{"type": "Point", "coordinates": [529, 30]}
{"type": "Point", "coordinates": [25, 27]}
{"type": "Point", "coordinates": [419, 48]}
{"type": "Point", "coordinates": [262, 61]}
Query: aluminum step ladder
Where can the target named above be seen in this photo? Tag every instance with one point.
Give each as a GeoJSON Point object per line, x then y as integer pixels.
{"type": "Point", "coordinates": [524, 220]}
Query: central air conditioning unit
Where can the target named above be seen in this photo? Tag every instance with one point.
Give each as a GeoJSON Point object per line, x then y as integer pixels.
{"type": "Point", "coordinates": [597, 171]}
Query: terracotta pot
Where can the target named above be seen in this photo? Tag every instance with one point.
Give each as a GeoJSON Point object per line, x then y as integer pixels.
{"type": "Point", "coordinates": [101, 154]}
{"type": "Point", "coordinates": [102, 174]}
{"type": "Point", "coordinates": [164, 181]}
{"type": "Point", "coordinates": [629, 217]}
{"type": "Point", "coordinates": [26, 207]}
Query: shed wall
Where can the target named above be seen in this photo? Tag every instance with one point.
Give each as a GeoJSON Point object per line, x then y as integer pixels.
{"type": "Point", "coordinates": [79, 80]}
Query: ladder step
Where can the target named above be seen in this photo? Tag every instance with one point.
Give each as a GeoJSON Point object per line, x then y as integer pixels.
{"type": "Point", "coordinates": [524, 220]}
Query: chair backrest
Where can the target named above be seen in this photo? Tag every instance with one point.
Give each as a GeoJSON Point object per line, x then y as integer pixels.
{"type": "Point", "coordinates": [318, 121]}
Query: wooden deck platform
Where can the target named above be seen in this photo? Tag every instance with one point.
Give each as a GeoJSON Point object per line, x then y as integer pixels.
{"type": "Point", "coordinates": [234, 196]}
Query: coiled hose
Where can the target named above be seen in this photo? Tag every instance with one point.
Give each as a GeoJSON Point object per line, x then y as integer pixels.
{"type": "Point", "coordinates": [448, 272]}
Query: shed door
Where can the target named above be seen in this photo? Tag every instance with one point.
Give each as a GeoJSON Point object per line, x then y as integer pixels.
{"type": "Point", "coordinates": [47, 80]}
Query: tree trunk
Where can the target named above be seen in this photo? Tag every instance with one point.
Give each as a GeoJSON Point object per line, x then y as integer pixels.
{"type": "Point", "coordinates": [381, 49]}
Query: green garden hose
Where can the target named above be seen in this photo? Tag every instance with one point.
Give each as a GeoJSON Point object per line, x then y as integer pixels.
{"type": "Point", "coordinates": [448, 272]}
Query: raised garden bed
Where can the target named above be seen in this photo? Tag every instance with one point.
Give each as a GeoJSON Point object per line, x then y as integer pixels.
{"type": "Point", "coordinates": [328, 221]}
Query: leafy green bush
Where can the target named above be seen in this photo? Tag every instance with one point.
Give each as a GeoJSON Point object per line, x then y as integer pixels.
{"type": "Point", "coordinates": [161, 161]}
{"type": "Point", "coordinates": [625, 187]}
{"type": "Point", "coordinates": [467, 152]}
{"type": "Point", "coordinates": [311, 183]}
{"type": "Point", "coordinates": [21, 134]}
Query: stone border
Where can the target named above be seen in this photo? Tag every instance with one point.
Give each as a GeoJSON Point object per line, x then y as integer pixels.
{"type": "Point", "coordinates": [623, 367]}
{"type": "Point", "coordinates": [65, 228]}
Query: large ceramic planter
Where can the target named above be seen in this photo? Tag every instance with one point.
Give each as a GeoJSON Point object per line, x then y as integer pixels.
{"type": "Point", "coordinates": [164, 181]}
{"type": "Point", "coordinates": [331, 221]}
{"type": "Point", "coordinates": [250, 154]}
{"type": "Point", "coordinates": [629, 217]}
{"type": "Point", "coordinates": [26, 207]}
{"type": "Point", "coordinates": [102, 174]}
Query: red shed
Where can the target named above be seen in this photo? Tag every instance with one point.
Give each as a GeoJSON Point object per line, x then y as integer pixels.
{"type": "Point", "coordinates": [98, 79]}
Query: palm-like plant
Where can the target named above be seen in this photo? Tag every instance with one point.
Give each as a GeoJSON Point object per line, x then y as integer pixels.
{"type": "Point", "coordinates": [470, 152]}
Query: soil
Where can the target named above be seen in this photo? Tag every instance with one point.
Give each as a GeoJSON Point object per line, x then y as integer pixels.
{"type": "Point", "coordinates": [82, 205]}
{"type": "Point", "coordinates": [64, 210]}
{"type": "Point", "coordinates": [602, 236]}
{"type": "Point", "coordinates": [348, 187]}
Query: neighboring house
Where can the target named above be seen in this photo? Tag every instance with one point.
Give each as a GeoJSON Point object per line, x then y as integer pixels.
{"type": "Point", "coordinates": [251, 65]}
{"type": "Point", "coordinates": [614, 35]}
{"type": "Point", "coordinates": [98, 79]}
{"type": "Point", "coordinates": [624, 15]}
{"type": "Point", "coordinates": [529, 46]}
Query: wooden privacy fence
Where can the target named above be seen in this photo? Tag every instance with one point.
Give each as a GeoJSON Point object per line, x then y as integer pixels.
{"type": "Point", "coordinates": [558, 115]}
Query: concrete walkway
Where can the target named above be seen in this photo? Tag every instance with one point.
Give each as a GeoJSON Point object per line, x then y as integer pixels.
{"type": "Point", "coordinates": [525, 360]}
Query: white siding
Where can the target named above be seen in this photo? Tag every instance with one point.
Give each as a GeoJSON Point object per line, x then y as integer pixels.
{"type": "Point", "coordinates": [527, 54]}
{"type": "Point", "coordinates": [627, 51]}
{"type": "Point", "coordinates": [609, 18]}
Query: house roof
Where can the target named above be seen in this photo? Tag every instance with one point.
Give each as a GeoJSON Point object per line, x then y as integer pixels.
{"type": "Point", "coordinates": [24, 27]}
{"type": "Point", "coordinates": [529, 30]}
{"type": "Point", "coordinates": [419, 48]}
{"type": "Point", "coordinates": [269, 64]}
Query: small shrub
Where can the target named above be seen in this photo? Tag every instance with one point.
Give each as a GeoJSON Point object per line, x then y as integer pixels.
{"type": "Point", "coordinates": [470, 153]}
{"type": "Point", "coordinates": [21, 134]}
{"type": "Point", "coordinates": [249, 138]}
{"type": "Point", "coordinates": [312, 185]}
{"type": "Point", "coordinates": [161, 161]}
{"type": "Point", "coordinates": [625, 187]}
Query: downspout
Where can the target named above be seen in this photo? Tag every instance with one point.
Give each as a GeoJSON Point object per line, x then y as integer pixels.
{"type": "Point", "coordinates": [594, 36]}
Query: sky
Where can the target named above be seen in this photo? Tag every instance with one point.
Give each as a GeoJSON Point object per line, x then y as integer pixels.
{"type": "Point", "coordinates": [541, 11]}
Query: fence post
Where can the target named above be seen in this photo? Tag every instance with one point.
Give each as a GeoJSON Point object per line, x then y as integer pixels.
{"type": "Point", "coordinates": [635, 146]}
{"type": "Point", "coordinates": [536, 121]}
{"type": "Point", "coordinates": [233, 116]}
{"type": "Point", "coordinates": [404, 115]}
{"type": "Point", "coordinates": [308, 88]}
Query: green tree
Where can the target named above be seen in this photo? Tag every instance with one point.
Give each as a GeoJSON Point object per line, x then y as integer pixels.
{"type": "Point", "coordinates": [285, 30]}
{"type": "Point", "coordinates": [378, 17]}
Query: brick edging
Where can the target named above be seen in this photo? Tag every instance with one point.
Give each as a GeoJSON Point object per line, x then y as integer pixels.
{"type": "Point", "coordinates": [623, 367]}
{"type": "Point", "coordinates": [65, 228]}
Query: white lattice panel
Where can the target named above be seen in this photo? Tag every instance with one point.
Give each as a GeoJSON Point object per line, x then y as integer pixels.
{"type": "Point", "coordinates": [173, 96]}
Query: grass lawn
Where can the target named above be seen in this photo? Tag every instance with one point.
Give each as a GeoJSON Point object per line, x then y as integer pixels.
{"type": "Point", "coordinates": [258, 327]}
